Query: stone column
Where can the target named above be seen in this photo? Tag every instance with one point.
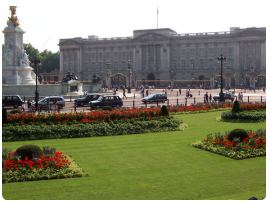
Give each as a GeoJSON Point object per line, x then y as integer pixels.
{"type": "Point", "coordinates": [236, 64]}
{"type": "Point", "coordinates": [61, 71]}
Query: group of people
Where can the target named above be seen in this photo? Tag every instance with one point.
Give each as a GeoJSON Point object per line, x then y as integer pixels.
{"type": "Point", "coordinates": [188, 93]}
{"type": "Point", "coordinates": [144, 92]}
{"type": "Point", "coordinates": [207, 98]}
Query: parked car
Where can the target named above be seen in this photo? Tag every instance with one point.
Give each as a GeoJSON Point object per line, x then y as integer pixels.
{"type": "Point", "coordinates": [154, 98]}
{"type": "Point", "coordinates": [50, 102]}
{"type": "Point", "coordinates": [84, 101]}
{"type": "Point", "coordinates": [12, 101]}
{"type": "Point", "coordinates": [109, 101]}
{"type": "Point", "coordinates": [227, 96]}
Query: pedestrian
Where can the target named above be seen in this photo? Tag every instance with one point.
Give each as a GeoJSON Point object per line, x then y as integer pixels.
{"type": "Point", "coordinates": [124, 93]}
{"type": "Point", "coordinates": [28, 104]}
{"type": "Point", "coordinates": [205, 98]}
{"type": "Point", "coordinates": [210, 98]}
{"type": "Point", "coordinates": [146, 92]}
{"type": "Point", "coordinates": [239, 96]}
{"type": "Point", "coordinates": [180, 91]}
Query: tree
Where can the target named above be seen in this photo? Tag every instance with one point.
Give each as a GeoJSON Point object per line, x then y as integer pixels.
{"type": "Point", "coordinates": [49, 60]}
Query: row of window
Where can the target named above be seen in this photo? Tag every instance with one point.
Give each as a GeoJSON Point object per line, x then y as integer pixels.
{"type": "Point", "coordinates": [114, 56]}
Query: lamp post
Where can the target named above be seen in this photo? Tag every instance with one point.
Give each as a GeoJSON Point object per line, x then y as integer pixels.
{"type": "Point", "coordinates": [36, 63]}
{"type": "Point", "coordinates": [221, 94]}
{"type": "Point", "coordinates": [129, 76]}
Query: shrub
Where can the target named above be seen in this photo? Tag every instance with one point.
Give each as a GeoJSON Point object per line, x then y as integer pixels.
{"type": "Point", "coordinates": [237, 134]}
{"type": "Point", "coordinates": [236, 107]}
{"type": "Point", "coordinates": [4, 115]}
{"type": "Point", "coordinates": [256, 116]}
{"type": "Point", "coordinates": [132, 126]}
{"type": "Point", "coordinates": [29, 151]}
{"type": "Point", "coordinates": [164, 111]}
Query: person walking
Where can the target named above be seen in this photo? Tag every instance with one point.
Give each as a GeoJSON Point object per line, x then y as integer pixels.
{"type": "Point", "coordinates": [206, 97]}
{"type": "Point", "coordinates": [124, 93]}
{"type": "Point", "coordinates": [146, 92]}
{"type": "Point", "coordinates": [210, 98]}
{"type": "Point", "coordinates": [29, 105]}
{"type": "Point", "coordinates": [180, 91]}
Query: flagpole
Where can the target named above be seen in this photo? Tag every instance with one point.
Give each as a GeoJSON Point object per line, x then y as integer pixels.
{"type": "Point", "coordinates": [157, 17]}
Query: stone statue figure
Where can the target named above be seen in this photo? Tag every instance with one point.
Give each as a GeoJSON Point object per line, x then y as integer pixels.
{"type": "Point", "coordinates": [24, 60]}
{"type": "Point", "coordinates": [7, 56]}
{"type": "Point", "coordinates": [13, 19]}
{"type": "Point", "coordinates": [69, 77]}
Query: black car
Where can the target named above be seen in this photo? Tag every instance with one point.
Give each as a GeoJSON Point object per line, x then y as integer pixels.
{"type": "Point", "coordinates": [104, 102]}
{"type": "Point", "coordinates": [84, 101]}
{"type": "Point", "coordinates": [12, 101]}
{"type": "Point", "coordinates": [154, 98]}
{"type": "Point", "coordinates": [227, 96]}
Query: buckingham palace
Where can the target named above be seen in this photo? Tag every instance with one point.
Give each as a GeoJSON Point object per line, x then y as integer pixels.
{"type": "Point", "coordinates": [162, 57]}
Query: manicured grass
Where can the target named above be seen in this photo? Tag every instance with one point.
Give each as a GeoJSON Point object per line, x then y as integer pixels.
{"type": "Point", "coordinates": [151, 166]}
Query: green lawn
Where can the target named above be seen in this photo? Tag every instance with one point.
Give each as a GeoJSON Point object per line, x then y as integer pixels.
{"type": "Point", "coordinates": [151, 166]}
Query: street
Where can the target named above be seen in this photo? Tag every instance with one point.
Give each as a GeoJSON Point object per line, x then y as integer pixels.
{"type": "Point", "coordinates": [174, 97]}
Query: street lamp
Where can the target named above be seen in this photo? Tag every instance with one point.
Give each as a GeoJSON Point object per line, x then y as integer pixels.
{"type": "Point", "coordinates": [221, 94]}
{"type": "Point", "coordinates": [129, 76]}
{"type": "Point", "coordinates": [36, 63]}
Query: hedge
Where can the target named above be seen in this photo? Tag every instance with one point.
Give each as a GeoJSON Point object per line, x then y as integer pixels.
{"type": "Point", "coordinates": [244, 116]}
{"type": "Point", "coordinates": [38, 132]}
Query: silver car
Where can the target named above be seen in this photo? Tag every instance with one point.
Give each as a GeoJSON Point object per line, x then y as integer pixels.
{"type": "Point", "coordinates": [51, 102]}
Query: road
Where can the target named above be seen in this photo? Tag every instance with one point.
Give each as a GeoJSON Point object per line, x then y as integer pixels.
{"type": "Point", "coordinates": [174, 98]}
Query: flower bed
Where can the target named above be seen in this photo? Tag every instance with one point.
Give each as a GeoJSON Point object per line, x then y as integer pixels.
{"type": "Point", "coordinates": [252, 146]}
{"type": "Point", "coordinates": [93, 116]}
{"type": "Point", "coordinates": [251, 106]}
{"type": "Point", "coordinates": [199, 107]}
{"type": "Point", "coordinates": [131, 126]}
{"type": "Point", "coordinates": [56, 165]}
{"type": "Point", "coordinates": [119, 114]}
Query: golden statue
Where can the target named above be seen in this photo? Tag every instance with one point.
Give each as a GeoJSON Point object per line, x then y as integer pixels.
{"type": "Point", "coordinates": [13, 18]}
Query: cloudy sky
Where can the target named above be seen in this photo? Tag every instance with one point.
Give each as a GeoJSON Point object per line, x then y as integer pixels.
{"type": "Point", "coordinates": [46, 21]}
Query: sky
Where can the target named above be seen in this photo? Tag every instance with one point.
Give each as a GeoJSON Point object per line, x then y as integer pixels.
{"type": "Point", "coordinates": [47, 21]}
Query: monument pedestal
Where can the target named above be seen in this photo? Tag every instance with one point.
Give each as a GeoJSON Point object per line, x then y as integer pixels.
{"type": "Point", "coordinates": [15, 62]}
{"type": "Point", "coordinates": [72, 88]}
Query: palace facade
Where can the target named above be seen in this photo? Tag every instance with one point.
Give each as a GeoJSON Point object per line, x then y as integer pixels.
{"type": "Point", "coordinates": [162, 57]}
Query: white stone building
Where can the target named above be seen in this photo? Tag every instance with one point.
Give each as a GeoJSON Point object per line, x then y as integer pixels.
{"type": "Point", "coordinates": [161, 56]}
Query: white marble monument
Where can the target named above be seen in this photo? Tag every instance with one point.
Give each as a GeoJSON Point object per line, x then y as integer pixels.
{"type": "Point", "coordinates": [15, 63]}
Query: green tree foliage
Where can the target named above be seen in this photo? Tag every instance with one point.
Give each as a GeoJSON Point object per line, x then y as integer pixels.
{"type": "Point", "coordinates": [49, 60]}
